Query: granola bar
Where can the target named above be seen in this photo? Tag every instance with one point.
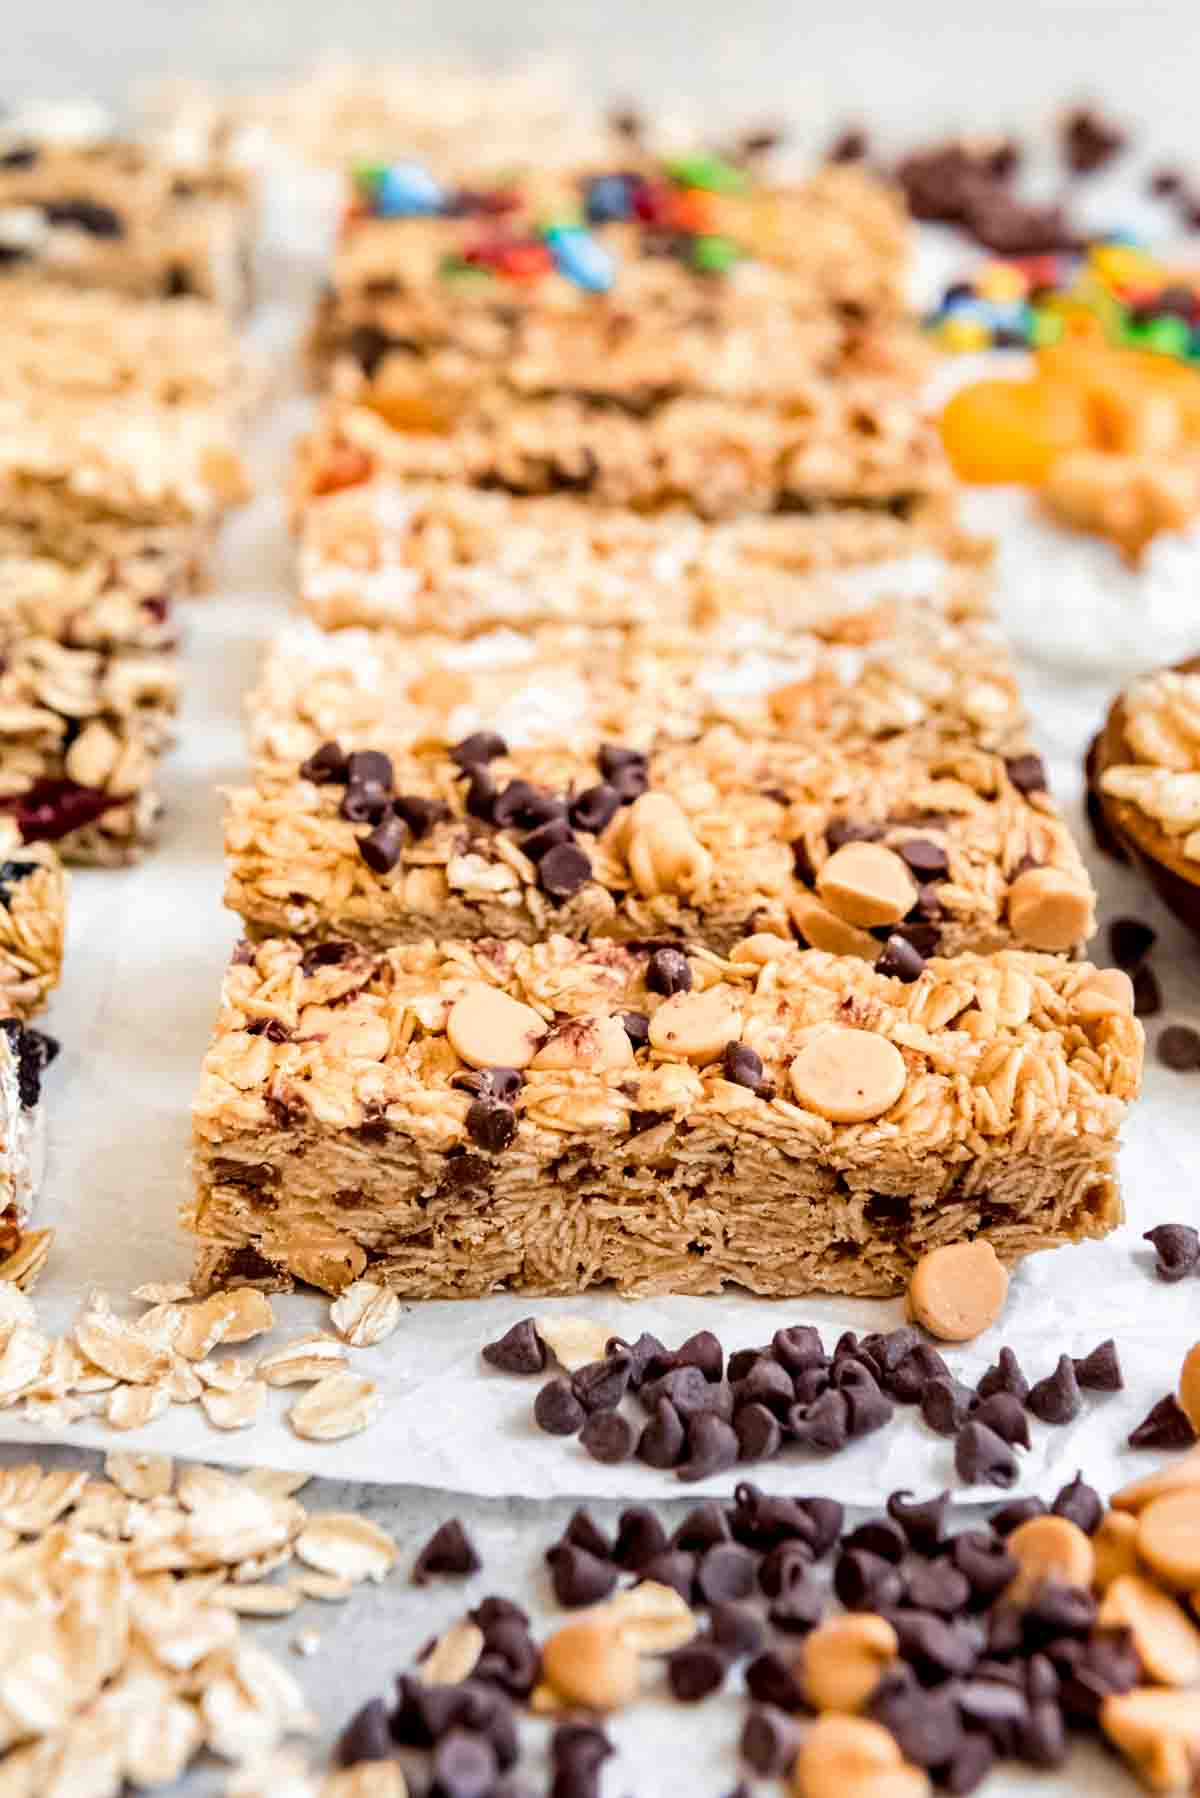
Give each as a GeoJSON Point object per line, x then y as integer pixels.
{"type": "Point", "coordinates": [613, 787]}
{"type": "Point", "coordinates": [33, 917]}
{"type": "Point", "coordinates": [450, 558]}
{"type": "Point", "coordinates": [89, 208]}
{"type": "Point", "coordinates": [24, 1055]}
{"type": "Point", "coordinates": [119, 601]}
{"type": "Point", "coordinates": [456, 1119]}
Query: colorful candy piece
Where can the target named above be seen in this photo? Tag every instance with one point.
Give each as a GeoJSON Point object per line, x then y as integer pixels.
{"type": "Point", "coordinates": [607, 199]}
{"type": "Point", "coordinates": [710, 172]}
{"type": "Point", "coordinates": [581, 258]}
{"type": "Point", "coordinates": [714, 255]}
{"type": "Point", "coordinates": [407, 190]}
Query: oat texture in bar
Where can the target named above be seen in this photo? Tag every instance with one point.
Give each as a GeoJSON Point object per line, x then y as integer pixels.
{"type": "Point", "coordinates": [33, 919]}
{"type": "Point", "coordinates": [461, 1119]}
{"type": "Point", "coordinates": [858, 813]}
{"type": "Point", "coordinates": [24, 1056]}
{"type": "Point", "coordinates": [449, 558]}
{"type": "Point", "coordinates": [88, 207]}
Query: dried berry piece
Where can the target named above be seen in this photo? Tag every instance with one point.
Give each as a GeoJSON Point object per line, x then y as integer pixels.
{"type": "Point", "coordinates": [637, 1028]}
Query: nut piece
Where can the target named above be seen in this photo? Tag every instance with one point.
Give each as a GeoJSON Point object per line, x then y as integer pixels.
{"type": "Point", "coordinates": [958, 1291]}
{"type": "Point", "coordinates": [851, 1757]}
{"type": "Point", "coordinates": [1189, 1387]}
{"type": "Point", "coordinates": [1169, 1539]}
{"type": "Point", "coordinates": [1049, 1548]}
{"type": "Point", "coordinates": [696, 1026]}
{"type": "Point", "coordinates": [574, 1341]}
{"type": "Point", "coordinates": [1050, 910]}
{"type": "Point", "coordinates": [590, 1662]}
{"type": "Point", "coordinates": [1167, 1641]}
{"type": "Point", "coordinates": [867, 884]}
{"type": "Point", "coordinates": [848, 1075]}
{"type": "Point", "coordinates": [821, 929]}
{"type": "Point", "coordinates": [663, 851]}
{"type": "Point", "coordinates": [487, 1029]}
{"type": "Point", "coordinates": [1178, 1476]}
{"type": "Point", "coordinates": [1114, 1544]}
{"type": "Point", "coordinates": [1158, 1732]}
{"type": "Point", "coordinates": [843, 1659]}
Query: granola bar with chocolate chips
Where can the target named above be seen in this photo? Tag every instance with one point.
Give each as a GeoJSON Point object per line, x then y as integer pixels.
{"type": "Point", "coordinates": [693, 787]}
{"type": "Point", "coordinates": [459, 1118]}
{"type": "Point", "coordinates": [449, 558]}
{"type": "Point", "coordinates": [24, 1056]}
{"type": "Point", "coordinates": [33, 919]}
{"type": "Point", "coordinates": [89, 208]}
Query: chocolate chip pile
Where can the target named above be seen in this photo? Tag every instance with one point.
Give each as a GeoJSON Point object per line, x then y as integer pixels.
{"type": "Point", "coordinates": [703, 1413]}
{"type": "Point", "coordinates": [1130, 941]}
{"type": "Point", "coordinates": [925, 1655]}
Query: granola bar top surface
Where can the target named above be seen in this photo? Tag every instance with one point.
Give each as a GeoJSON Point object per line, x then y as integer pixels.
{"type": "Point", "coordinates": [450, 558]}
{"type": "Point", "coordinates": [33, 913]}
{"type": "Point", "coordinates": [896, 849]}
{"type": "Point", "coordinates": [859, 441]}
{"type": "Point", "coordinates": [1012, 1049]}
{"type": "Point", "coordinates": [1150, 766]}
{"type": "Point", "coordinates": [105, 603]}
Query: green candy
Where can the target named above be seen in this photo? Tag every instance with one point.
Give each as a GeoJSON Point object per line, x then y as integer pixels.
{"type": "Point", "coordinates": [1044, 328]}
{"type": "Point", "coordinates": [367, 176]}
{"type": "Point", "coordinates": [456, 268]}
{"type": "Point", "coordinates": [712, 173]}
{"type": "Point", "coordinates": [714, 255]}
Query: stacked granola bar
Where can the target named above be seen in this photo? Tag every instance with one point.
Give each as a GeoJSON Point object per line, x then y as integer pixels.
{"type": "Point", "coordinates": [647, 874]}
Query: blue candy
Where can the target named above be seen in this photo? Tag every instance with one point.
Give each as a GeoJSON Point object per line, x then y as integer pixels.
{"type": "Point", "coordinates": [608, 198]}
{"type": "Point", "coordinates": [407, 190]}
{"type": "Point", "coordinates": [579, 257]}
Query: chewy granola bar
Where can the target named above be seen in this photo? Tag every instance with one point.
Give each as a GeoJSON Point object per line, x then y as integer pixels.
{"type": "Point", "coordinates": [449, 558]}
{"type": "Point", "coordinates": [646, 794]}
{"type": "Point", "coordinates": [24, 1056]}
{"type": "Point", "coordinates": [89, 208]}
{"type": "Point", "coordinates": [33, 919]}
{"type": "Point", "coordinates": [461, 1118]}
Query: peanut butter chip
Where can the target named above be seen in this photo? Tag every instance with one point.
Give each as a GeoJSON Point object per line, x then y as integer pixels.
{"type": "Point", "coordinates": [696, 1025]}
{"type": "Point", "coordinates": [851, 1757]}
{"type": "Point", "coordinates": [1180, 1476]}
{"type": "Point", "coordinates": [844, 1658]}
{"type": "Point", "coordinates": [867, 884]}
{"type": "Point", "coordinates": [1115, 1547]}
{"type": "Point", "coordinates": [1158, 1732]}
{"type": "Point", "coordinates": [958, 1291]}
{"type": "Point", "coordinates": [1050, 910]}
{"type": "Point", "coordinates": [848, 1075]}
{"type": "Point", "coordinates": [588, 1662]}
{"type": "Point", "coordinates": [1169, 1539]}
{"type": "Point", "coordinates": [1167, 1641]}
{"type": "Point", "coordinates": [1108, 994]}
{"type": "Point", "coordinates": [488, 1029]}
{"type": "Point", "coordinates": [1049, 1548]}
{"type": "Point", "coordinates": [1189, 1387]}
{"type": "Point", "coordinates": [823, 929]}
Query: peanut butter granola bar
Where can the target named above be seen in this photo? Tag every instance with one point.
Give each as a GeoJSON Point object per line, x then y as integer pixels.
{"type": "Point", "coordinates": [33, 919]}
{"type": "Point", "coordinates": [459, 1118]}
{"type": "Point", "coordinates": [89, 208]}
{"type": "Point", "coordinates": [453, 559]}
{"type": "Point", "coordinates": [613, 787]}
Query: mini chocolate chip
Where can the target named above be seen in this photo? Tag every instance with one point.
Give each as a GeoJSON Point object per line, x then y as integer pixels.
{"type": "Point", "coordinates": [520, 1350]}
{"type": "Point", "coordinates": [704, 1527]}
{"type": "Point", "coordinates": [1011, 1516]}
{"type": "Point", "coordinates": [418, 813]}
{"type": "Point", "coordinates": [557, 1411]}
{"type": "Point", "coordinates": [1057, 1610]}
{"type": "Point", "coordinates": [627, 771]}
{"type": "Point", "coordinates": [594, 809]}
{"type": "Point", "coordinates": [582, 1747]}
{"type": "Point", "coordinates": [1178, 1048]}
{"type": "Point", "coordinates": [538, 844]}
{"type": "Point", "coordinates": [695, 1672]}
{"type": "Point", "coordinates": [1004, 1376]}
{"type": "Point", "coordinates": [823, 1425]}
{"type": "Point", "coordinates": [661, 1442]}
{"type": "Point", "coordinates": [991, 1701]}
{"type": "Point", "coordinates": [703, 1350]}
{"type": "Point", "coordinates": [737, 1628]}
{"type": "Point", "coordinates": [464, 1765]}
{"type": "Point", "coordinates": [448, 1551]}
{"type": "Point", "coordinates": [927, 859]}
{"type": "Point", "coordinates": [982, 1556]}
{"type": "Point", "coordinates": [841, 831]}
{"type": "Point", "coordinates": [799, 1609]}
{"type": "Point", "coordinates": [970, 1764]}
{"type": "Point", "coordinates": [367, 1736]}
{"type": "Point", "coordinates": [601, 1385]}
{"type": "Point", "coordinates": [867, 1410]}
{"type": "Point", "coordinates": [564, 871]}
{"type": "Point", "coordinates": [908, 1381]}
{"type": "Point", "coordinates": [382, 847]}
{"type": "Point", "coordinates": [802, 862]}
{"type": "Point", "coordinates": [585, 1532]}
{"type": "Point", "coordinates": [608, 1437]}
{"type": "Point", "coordinates": [637, 1028]}
{"type": "Point", "coordinates": [1108, 1662]}
{"type": "Point", "coordinates": [668, 972]}
{"type": "Point", "coordinates": [946, 1405]}
{"type": "Point", "coordinates": [983, 1458]}
{"type": "Point", "coordinates": [578, 1577]}
{"type": "Point", "coordinates": [712, 1446]}
{"type": "Point", "coordinates": [743, 1066]}
{"type": "Point", "coordinates": [481, 795]}
{"type": "Point", "coordinates": [866, 1582]}
{"type": "Point", "coordinates": [1001, 1412]}
{"type": "Point", "coordinates": [491, 1124]}
{"type": "Point", "coordinates": [770, 1680]}
{"type": "Point", "coordinates": [685, 1387]}
{"type": "Point", "coordinates": [370, 768]}
{"type": "Point", "coordinates": [642, 1353]}
{"type": "Point", "coordinates": [1177, 1247]}
{"type": "Point", "coordinates": [824, 1517]}
{"type": "Point", "coordinates": [879, 1536]}
{"type": "Point", "coordinates": [725, 1573]}
{"type": "Point", "coordinates": [785, 1567]}
{"type": "Point", "coordinates": [937, 1587]}
{"type": "Point", "coordinates": [326, 766]}
{"type": "Point", "coordinates": [490, 1083]}
{"type": "Point", "coordinates": [1080, 1504]}
{"type": "Point", "coordinates": [480, 747]}
{"type": "Point", "coordinates": [810, 1384]}
{"type": "Point", "coordinates": [766, 1384]}
{"type": "Point", "coordinates": [770, 1741]}
{"type": "Point", "coordinates": [931, 1645]}
{"type": "Point", "coordinates": [798, 1347]}
{"type": "Point", "coordinates": [521, 803]}
{"type": "Point", "coordinates": [1027, 773]}
{"type": "Point", "coordinates": [1130, 942]}
{"type": "Point", "coordinates": [1043, 1739]}
{"type": "Point", "coordinates": [926, 1725]}
{"type": "Point", "coordinates": [675, 1567]}
{"type": "Point", "coordinates": [900, 961]}
{"type": "Point", "coordinates": [923, 1520]}
{"type": "Point", "coordinates": [1100, 1371]}
{"type": "Point", "coordinates": [1165, 1425]}
{"type": "Point", "coordinates": [1147, 993]}
{"type": "Point", "coordinates": [1056, 1398]}
{"type": "Point", "coordinates": [640, 1535]}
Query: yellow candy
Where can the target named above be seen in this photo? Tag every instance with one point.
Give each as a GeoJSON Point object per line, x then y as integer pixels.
{"type": "Point", "coordinates": [1001, 282]}
{"type": "Point", "coordinates": [1121, 265]}
{"type": "Point", "coordinates": [961, 334]}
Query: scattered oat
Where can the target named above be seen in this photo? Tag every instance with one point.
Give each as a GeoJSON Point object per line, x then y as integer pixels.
{"type": "Point", "coordinates": [15, 1308]}
{"type": "Point", "coordinates": [28, 1259]}
{"type": "Point", "coordinates": [275, 1482]}
{"type": "Point", "coordinates": [302, 1361]}
{"type": "Point", "coordinates": [226, 1374]}
{"type": "Point", "coordinates": [324, 1586]}
{"type": "Point", "coordinates": [140, 1476]}
{"type": "Point", "coordinates": [160, 1325]}
{"type": "Point", "coordinates": [453, 1656]}
{"type": "Point", "coordinates": [258, 1599]}
{"type": "Point", "coordinates": [348, 1546]}
{"type": "Point", "coordinates": [364, 1313]}
{"type": "Point", "coordinates": [224, 1317]}
{"type": "Point", "coordinates": [21, 1360]}
{"type": "Point", "coordinates": [341, 1405]}
{"type": "Point", "coordinates": [130, 1407]}
{"type": "Point", "coordinates": [573, 1341]}
{"type": "Point", "coordinates": [162, 1292]}
{"type": "Point", "coordinates": [119, 1349]}
{"type": "Point", "coordinates": [35, 1499]}
{"type": "Point", "coordinates": [183, 1382]}
{"type": "Point", "coordinates": [236, 1409]}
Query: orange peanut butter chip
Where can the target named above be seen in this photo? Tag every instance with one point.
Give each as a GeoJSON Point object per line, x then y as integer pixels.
{"type": "Point", "coordinates": [823, 929]}
{"type": "Point", "coordinates": [851, 1757]}
{"type": "Point", "coordinates": [1050, 910]}
{"type": "Point", "coordinates": [1169, 1539]}
{"type": "Point", "coordinates": [588, 1662]}
{"type": "Point", "coordinates": [867, 884]}
{"type": "Point", "coordinates": [847, 1075]}
{"type": "Point", "coordinates": [1189, 1387]}
{"type": "Point", "coordinates": [1179, 1476]}
{"type": "Point", "coordinates": [487, 1029]}
{"type": "Point", "coordinates": [844, 1658]}
{"type": "Point", "coordinates": [696, 1026]}
{"type": "Point", "coordinates": [1114, 1545]}
{"type": "Point", "coordinates": [1049, 1548]}
{"type": "Point", "coordinates": [958, 1291]}
{"type": "Point", "coordinates": [1158, 1732]}
{"type": "Point", "coordinates": [1108, 994]}
{"type": "Point", "coordinates": [1165, 1637]}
